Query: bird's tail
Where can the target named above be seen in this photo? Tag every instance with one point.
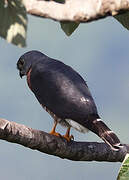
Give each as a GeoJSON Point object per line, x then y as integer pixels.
{"type": "Point", "coordinates": [100, 128]}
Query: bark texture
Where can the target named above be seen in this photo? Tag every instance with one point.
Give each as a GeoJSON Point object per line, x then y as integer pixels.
{"type": "Point", "coordinates": [46, 143]}
{"type": "Point", "coordinates": [76, 10]}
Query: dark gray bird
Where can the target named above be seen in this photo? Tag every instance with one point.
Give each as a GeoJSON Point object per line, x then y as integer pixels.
{"type": "Point", "coordinates": [64, 94]}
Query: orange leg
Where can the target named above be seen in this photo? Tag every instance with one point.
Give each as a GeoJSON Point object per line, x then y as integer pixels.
{"type": "Point", "coordinates": [67, 136]}
{"type": "Point", "coordinates": [53, 132]}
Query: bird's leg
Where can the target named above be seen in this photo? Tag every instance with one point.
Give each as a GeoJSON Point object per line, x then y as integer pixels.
{"type": "Point", "coordinates": [67, 136]}
{"type": "Point", "coordinates": [53, 132]}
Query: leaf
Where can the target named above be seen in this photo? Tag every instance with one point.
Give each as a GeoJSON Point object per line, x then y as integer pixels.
{"type": "Point", "coordinates": [69, 27]}
{"type": "Point", "coordinates": [13, 22]}
{"type": "Point", "coordinates": [123, 19]}
{"type": "Point", "coordinates": [124, 170]}
{"type": "Point", "coordinates": [60, 1]}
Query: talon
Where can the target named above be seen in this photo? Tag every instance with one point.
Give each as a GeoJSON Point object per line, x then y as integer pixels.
{"type": "Point", "coordinates": [67, 136]}
{"type": "Point", "coordinates": [53, 132]}
{"type": "Point", "coordinates": [72, 137]}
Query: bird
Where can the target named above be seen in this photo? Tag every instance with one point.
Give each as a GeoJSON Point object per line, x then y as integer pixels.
{"type": "Point", "coordinates": [65, 95]}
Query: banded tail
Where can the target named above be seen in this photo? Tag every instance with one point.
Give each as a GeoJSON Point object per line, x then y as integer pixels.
{"type": "Point", "coordinates": [101, 129]}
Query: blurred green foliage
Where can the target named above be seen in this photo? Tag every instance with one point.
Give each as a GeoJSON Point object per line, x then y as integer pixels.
{"type": "Point", "coordinates": [123, 19]}
{"type": "Point", "coordinates": [13, 22]}
{"type": "Point", "coordinates": [124, 170]}
{"type": "Point", "coordinates": [69, 27]}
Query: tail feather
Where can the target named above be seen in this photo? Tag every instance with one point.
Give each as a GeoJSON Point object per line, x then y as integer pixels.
{"type": "Point", "coordinates": [101, 129]}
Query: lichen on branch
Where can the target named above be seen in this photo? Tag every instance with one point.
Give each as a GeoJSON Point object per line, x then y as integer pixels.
{"type": "Point", "coordinates": [49, 144]}
{"type": "Point", "coordinates": [76, 10]}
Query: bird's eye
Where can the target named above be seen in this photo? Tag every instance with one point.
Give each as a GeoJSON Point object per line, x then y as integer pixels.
{"type": "Point", "coordinates": [20, 64]}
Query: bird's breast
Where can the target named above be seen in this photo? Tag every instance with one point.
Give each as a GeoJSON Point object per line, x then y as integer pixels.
{"type": "Point", "coordinates": [28, 78]}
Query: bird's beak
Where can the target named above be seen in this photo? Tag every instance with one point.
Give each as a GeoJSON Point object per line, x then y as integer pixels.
{"type": "Point", "coordinates": [21, 74]}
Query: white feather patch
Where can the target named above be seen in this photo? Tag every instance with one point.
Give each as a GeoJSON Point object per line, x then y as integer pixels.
{"type": "Point", "coordinates": [98, 120]}
{"type": "Point", "coordinates": [77, 126]}
{"type": "Point", "coordinates": [83, 99]}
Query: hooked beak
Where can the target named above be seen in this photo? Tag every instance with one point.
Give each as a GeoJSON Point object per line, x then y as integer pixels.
{"type": "Point", "coordinates": [21, 73]}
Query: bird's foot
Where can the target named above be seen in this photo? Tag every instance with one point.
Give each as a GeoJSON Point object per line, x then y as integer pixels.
{"type": "Point", "coordinates": [55, 134]}
{"type": "Point", "coordinates": [68, 138]}
{"type": "Point", "coordinates": [53, 131]}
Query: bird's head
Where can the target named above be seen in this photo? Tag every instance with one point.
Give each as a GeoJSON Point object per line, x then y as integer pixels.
{"type": "Point", "coordinates": [28, 60]}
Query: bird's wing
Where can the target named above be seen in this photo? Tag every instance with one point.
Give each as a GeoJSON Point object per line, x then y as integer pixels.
{"type": "Point", "coordinates": [63, 91]}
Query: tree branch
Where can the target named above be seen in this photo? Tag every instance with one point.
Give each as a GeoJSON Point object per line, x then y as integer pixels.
{"type": "Point", "coordinates": [76, 10]}
{"type": "Point", "coordinates": [46, 143]}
